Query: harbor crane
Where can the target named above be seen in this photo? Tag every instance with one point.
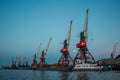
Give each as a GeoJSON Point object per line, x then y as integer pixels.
{"type": "Point", "coordinates": [114, 51]}
{"type": "Point", "coordinates": [34, 64]}
{"type": "Point", "coordinates": [65, 59]}
{"type": "Point", "coordinates": [13, 64]}
{"type": "Point", "coordinates": [25, 62]}
{"type": "Point", "coordinates": [16, 62]}
{"type": "Point", "coordinates": [42, 58]}
{"type": "Point", "coordinates": [36, 55]}
{"type": "Point", "coordinates": [83, 55]}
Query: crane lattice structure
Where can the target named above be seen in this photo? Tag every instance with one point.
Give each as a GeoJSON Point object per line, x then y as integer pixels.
{"type": "Point", "coordinates": [42, 58]}
{"type": "Point", "coordinates": [83, 55]}
{"type": "Point", "coordinates": [65, 59]}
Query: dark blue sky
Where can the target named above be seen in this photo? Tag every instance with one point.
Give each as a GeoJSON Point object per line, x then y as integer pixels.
{"type": "Point", "coordinates": [26, 23]}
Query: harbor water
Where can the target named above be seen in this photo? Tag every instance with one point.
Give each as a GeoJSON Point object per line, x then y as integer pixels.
{"type": "Point", "coordinates": [58, 75]}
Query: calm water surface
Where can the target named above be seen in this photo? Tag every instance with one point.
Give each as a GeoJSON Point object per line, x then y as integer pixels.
{"type": "Point", "coordinates": [58, 75]}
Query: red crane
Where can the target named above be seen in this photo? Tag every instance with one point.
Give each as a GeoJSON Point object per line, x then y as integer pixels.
{"type": "Point", "coordinates": [34, 64]}
{"type": "Point", "coordinates": [83, 54]}
{"type": "Point", "coordinates": [36, 55]}
{"type": "Point", "coordinates": [65, 59]}
{"type": "Point", "coordinates": [35, 59]}
{"type": "Point", "coordinates": [42, 58]}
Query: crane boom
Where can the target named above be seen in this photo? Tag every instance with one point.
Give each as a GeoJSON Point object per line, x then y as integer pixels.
{"type": "Point", "coordinates": [86, 26]}
{"type": "Point", "coordinates": [38, 51]}
{"type": "Point", "coordinates": [114, 50]}
{"type": "Point", "coordinates": [48, 46]}
{"type": "Point", "coordinates": [24, 60]}
{"type": "Point", "coordinates": [69, 35]}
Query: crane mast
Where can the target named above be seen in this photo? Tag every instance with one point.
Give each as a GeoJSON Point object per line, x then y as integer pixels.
{"type": "Point", "coordinates": [86, 26]}
{"type": "Point", "coordinates": [66, 59]}
{"type": "Point", "coordinates": [25, 61]}
{"type": "Point", "coordinates": [83, 55]}
{"type": "Point", "coordinates": [36, 55]}
{"type": "Point", "coordinates": [42, 58]}
{"type": "Point", "coordinates": [38, 51]}
{"type": "Point", "coordinates": [69, 35]}
{"type": "Point", "coordinates": [114, 51]}
{"type": "Point", "coordinates": [48, 46]}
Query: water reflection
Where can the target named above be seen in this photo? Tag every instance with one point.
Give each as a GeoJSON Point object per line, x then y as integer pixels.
{"type": "Point", "coordinates": [81, 76]}
{"type": "Point", "coordinates": [58, 75]}
{"type": "Point", "coordinates": [38, 75]}
{"type": "Point", "coordinates": [73, 76]}
{"type": "Point", "coordinates": [64, 75]}
{"type": "Point", "coordinates": [42, 74]}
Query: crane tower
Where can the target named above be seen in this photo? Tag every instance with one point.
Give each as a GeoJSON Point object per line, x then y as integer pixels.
{"type": "Point", "coordinates": [36, 55]}
{"type": "Point", "coordinates": [83, 55]}
{"type": "Point", "coordinates": [42, 58]}
{"type": "Point", "coordinates": [65, 59]}
{"type": "Point", "coordinates": [114, 51]}
{"type": "Point", "coordinates": [34, 64]}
